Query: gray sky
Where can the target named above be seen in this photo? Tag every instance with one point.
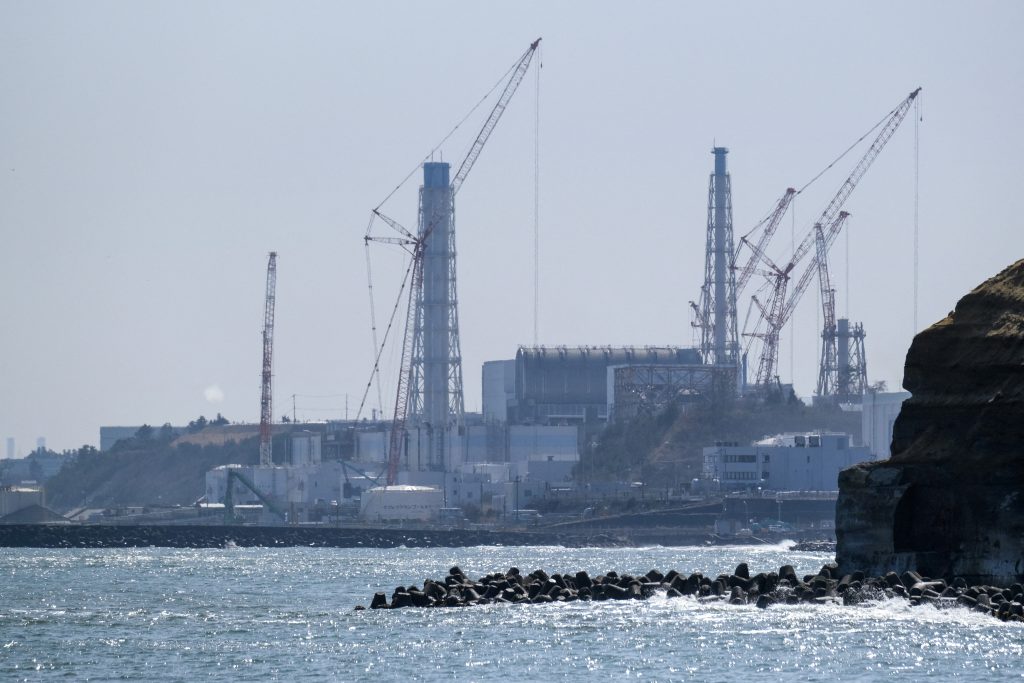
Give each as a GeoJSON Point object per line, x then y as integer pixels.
{"type": "Point", "coordinates": [151, 154]}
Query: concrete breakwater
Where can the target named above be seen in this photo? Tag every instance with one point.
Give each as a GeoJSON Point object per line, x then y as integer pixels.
{"type": "Point", "coordinates": [204, 536]}
{"type": "Point", "coordinates": [739, 588]}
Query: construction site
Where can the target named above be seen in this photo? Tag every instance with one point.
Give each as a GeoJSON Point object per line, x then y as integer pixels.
{"type": "Point", "coordinates": [548, 411]}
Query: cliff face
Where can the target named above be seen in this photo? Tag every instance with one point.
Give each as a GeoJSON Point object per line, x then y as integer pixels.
{"type": "Point", "coordinates": [950, 500]}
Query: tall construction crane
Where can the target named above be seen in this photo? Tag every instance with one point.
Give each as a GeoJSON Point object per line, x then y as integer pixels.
{"type": "Point", "coordinates": [779, 310]}
{"type": "Point", "coordinates": [266, 397]}
{"type": "Point", "coordinates": [771, 224]}
{"type": "Point", "coordinates": [827, 372]}
{"type": "Point", "coordinates": [417, 246]}
{"type": "Point", "coordinates": [842, 374]}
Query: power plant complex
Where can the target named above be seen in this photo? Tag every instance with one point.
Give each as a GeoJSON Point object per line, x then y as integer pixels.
{"type": "Point", "coordinates": [429, 459]}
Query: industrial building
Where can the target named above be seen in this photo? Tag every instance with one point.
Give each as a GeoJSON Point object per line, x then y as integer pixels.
{"type": "Point", "coordinates": [786, 462]}
{"type": "Point", "coordinates": [879, 411]}
{"type": "Point", "coordinates": [14, 498]}
{"type": "Point", "coordinates": [401, 503]}
{"type": "Point", "coordinates": [540, 407]}
{"type": "Point", "coordinates": [567, 385]}
{"type": "Point", "coordinates": [305, 481]}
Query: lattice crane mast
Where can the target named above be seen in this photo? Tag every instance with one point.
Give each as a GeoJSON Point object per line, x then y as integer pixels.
{"type": "Point", "coordinates": [780, 313]}
{"type": "Point", "coordinates": [518, 73]}
{"type": "Point", "coordinates": [781, 308]}
{"type": "Point", "coordinates": [829, 351]}
{"type": "Point", "coordinates": [771, 224]}
{"type": "Point", "coordinates": [266, 396]}
{"type": "Point", "coordinates": [416, 245]}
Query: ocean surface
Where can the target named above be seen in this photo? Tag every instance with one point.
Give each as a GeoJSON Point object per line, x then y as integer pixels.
{"type": "Point", "coordinates": [259, 614]}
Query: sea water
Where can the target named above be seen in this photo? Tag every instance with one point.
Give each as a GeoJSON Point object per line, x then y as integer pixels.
{"type": "Point", "coordinates": [287, 613]}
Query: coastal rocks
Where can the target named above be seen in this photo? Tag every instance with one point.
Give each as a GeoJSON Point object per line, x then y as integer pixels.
{"type": "Point", "coordinates": [764, 590]}
{"type": "Point", "coordinates": [950, 500]}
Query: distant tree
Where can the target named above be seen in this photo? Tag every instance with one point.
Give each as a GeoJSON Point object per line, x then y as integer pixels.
{"type": "Point", "coordinates": [219, 421]}
{"type": "Point", "coordinates": [198, 424]}
{"type": "Point", "coordinates": [166, 432]}
{"type": "Point", "coordinates": [285, 419]}
{"type": "Point", "coordinates": [144, 433]}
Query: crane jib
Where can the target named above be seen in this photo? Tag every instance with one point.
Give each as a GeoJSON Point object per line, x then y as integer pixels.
{"type": "Point", "coordinates": [833, 217]}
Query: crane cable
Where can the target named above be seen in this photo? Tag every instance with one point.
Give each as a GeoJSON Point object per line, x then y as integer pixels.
{"type": "Point", "coordinates": [536, 205]}
{"type": "Point", "coordinates": [446, 137]}
{"type": "Point", "coordinates": [377, 348]}
{"type": "Point", "coordinates": [380, 349]}
{"type": "Point", "coordinates": [373, 318]}
{"type": "Point", "coordinates": [850, 148]}
{"type": "Point", "coordinates": [918, 118]}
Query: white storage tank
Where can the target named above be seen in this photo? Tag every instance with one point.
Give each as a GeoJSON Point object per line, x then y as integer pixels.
{"type": "Point", "coordinates": [401, 503]}
{"type": "Point", "coordinates": [14, 498]}
{"type": "Point", "coordinates": [306, 448]}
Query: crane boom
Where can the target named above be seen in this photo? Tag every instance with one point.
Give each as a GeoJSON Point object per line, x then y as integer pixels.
{"type": "Point", "coordinates": [397, 437]}
{"type": "Point", "coordinates": [781, 309]}
{"type": "Point", "coordinates": [770, 346]}
{"type": "Point", "coordinates": [846, 189]}
{"type": "Point", "coordinates": [519, 71]}
{"type": "Point", "coordinates": [828, 295]}
{"type": "Point", "coordinates": [828, 237]}
{"type": "Point", "coordinates": [394, 225]}
{"type": "Point", "coordinates": [828, 307]}
{"type": "Point", "coordinates": [419, 245]}
{"type": "Point", "coordinates": [757, 250]}
{"type": "Point", "coordinates": [266, 397]}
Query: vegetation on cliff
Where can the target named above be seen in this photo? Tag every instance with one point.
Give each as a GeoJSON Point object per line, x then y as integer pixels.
{"type": "Point", "coordinates": [150, 469]}
{"type": "Point", "coordinates": [667, 448]}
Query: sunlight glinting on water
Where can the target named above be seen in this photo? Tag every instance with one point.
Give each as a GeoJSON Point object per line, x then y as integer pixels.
{"type": "Point", "coordinates": [289, 613]}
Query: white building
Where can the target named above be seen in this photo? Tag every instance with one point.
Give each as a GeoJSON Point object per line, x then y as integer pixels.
{"type": "Point", "coordinates": [301, 485]}
{"type": "Point", "coordinates": [306, 448]}
{"type": "Point", "coordinates": [401, 504]}
{"type": "Point", "coordinates": [787, 462]}
{"type": "Point", "coordinates": [14, 498]}
{"type": "Point", "coordinates": [880, 410]}
{"type": "Point", "coordinates": [499, 389]}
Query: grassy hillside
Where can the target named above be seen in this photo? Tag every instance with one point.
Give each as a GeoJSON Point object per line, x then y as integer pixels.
{"type": "Point", "coordinates": [143, 472]}
{"type": "Point", "coordinates": [667, 448]}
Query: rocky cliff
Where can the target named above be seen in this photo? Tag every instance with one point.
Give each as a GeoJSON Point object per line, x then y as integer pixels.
{"type": "Point", "coordinates": [950, 501]}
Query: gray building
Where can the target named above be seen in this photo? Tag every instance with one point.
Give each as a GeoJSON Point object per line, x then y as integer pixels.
{"type": "Point", "coordinates": [879, 411]}
{"type": "Point", "coordinates": [787, 462]}
{"type": "Point", "coordinates": [569, 385]}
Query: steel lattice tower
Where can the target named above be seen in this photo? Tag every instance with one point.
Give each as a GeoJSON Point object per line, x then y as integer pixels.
{"type": "Point", "coordinates": [843, 375]}
{"type": "Point", "coordinates": [437, 403]}
{"type": "Point", "coordinates": [719, 343]}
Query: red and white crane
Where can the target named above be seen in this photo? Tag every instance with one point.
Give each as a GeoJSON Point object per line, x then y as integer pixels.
{"type": "Point", "coordinates": [266, 396]}
{"type": "Point", "coordinates": [416, 244]}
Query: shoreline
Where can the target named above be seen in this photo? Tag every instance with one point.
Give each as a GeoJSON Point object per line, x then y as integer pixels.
{"type": "Point", "coordinates": [219, 536]}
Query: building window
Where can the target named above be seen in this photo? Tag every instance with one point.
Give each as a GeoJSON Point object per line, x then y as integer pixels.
{"type": "Point", "coordinates": [766, 458]}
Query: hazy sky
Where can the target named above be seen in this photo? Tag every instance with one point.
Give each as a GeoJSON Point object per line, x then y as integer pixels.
{"type": "Point", "coordinates": [151, 154]}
